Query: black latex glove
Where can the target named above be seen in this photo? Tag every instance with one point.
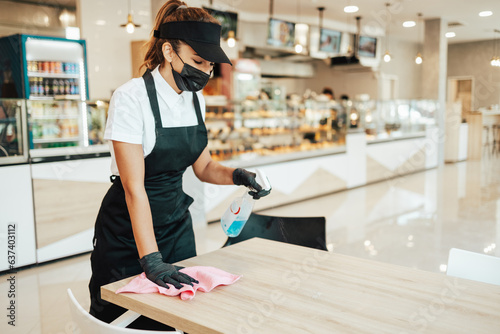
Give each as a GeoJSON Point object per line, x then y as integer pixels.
{"type": "Point", "coordinates": [161, 273]}
{"type": "Point", "coordinates": [242, 177]}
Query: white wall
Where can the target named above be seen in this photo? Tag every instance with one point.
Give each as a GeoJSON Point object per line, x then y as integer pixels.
{"type": "Point", "coordinates": [403, 65]}
{"type": "Point", "coordinates": [108, 45]}
{"type": "Point", "coordinates": [473, 59]}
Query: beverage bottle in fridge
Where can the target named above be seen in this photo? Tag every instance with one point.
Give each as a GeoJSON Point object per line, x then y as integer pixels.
{"type": "Point", "coordinates": [33, 87]}
{"type": "Point", "coordinates": [46, 87]}
{"type": "Point", "coordinates": [55, 86]}
{"type": "Point", "coordinates": [236, 215]}
{"type": "Point", "coordinates": [41, 87]}
{"type": "Point", "coordinates": [67, 88]}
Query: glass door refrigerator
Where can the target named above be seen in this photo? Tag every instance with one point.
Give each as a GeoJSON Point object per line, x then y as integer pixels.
{"type": "Point", "coordinates": [51, 74]}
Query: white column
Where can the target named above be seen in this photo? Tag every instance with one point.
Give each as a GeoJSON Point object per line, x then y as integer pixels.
{"type": "Point", "coordinates": [434, 73]}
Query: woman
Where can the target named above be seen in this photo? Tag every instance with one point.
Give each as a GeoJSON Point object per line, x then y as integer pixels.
{"type": "Point", "coordinates": [156, 127]}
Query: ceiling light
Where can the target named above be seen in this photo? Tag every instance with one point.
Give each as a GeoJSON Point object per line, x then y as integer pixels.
{"type": "Point", "coordinates": [409, 24]}
{"type": "Point", "coordinates": [351, 9]}
{"type": "Point", "coordinates": [66, 18]}
{"type": "Point", "coordinates": [495, 60]}
{"type": "Point", "coordinates": [450, 34]}
{"type": "Point", "coordinates": [298, 48]}
{"type": "Point", "coordinates": [387, 57]}
{"type": "Point", "coordinates": [485, 13]}
{"type": "Point", "coordinates": [231, 41]}
{"type": "Point", "coordinates": [418, 59]}
{"type": "Point", "coordinates": [130, 25]}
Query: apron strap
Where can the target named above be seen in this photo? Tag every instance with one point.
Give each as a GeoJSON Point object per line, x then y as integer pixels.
{"type": "Point", "coordinates": [196, 103]}
{"type": "Point", "coordinates": [153, 99]}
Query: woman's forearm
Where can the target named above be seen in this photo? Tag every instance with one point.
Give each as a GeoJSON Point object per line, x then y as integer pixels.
{"type": "Point", "coordinates": [207, 170]}
{"type": "Point", "coordinates": [142, 222]}
{"type": "Point", "coordinates": [215, 173]}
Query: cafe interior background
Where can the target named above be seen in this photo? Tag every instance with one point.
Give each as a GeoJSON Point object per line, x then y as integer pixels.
{"type": "Point", "coordinates": [402, 163]}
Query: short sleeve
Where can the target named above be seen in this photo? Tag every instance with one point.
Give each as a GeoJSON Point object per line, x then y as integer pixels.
{"type": "Point", "coordinates": [125, 118]}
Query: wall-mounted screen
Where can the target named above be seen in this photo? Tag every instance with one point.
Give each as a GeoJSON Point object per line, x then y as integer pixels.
{"type": "Point", "coordinates": [329, 41]}
{"type": "Point", "coordinates": [228, 20]}
{"type": "Point", "coordinates": [280, 33]}
{"type": "Point", "coordinates": [367, 46]}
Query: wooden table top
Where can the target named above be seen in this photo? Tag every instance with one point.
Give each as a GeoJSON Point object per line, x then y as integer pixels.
{"type": "Point", "coordinates": [291, 289]}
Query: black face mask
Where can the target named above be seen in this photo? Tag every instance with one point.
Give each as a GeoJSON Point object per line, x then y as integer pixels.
{"type": "Point", "coordinates": [190, 79]}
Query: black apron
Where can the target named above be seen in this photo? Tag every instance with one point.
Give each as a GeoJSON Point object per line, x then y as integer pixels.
{"type": "Point", "coordinates": [115, 254]}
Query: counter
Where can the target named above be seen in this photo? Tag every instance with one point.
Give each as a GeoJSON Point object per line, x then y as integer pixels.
{"type": "Point", "coordinates": [305, 152]}
{"type": "Point", "coordinates": [295, 180]}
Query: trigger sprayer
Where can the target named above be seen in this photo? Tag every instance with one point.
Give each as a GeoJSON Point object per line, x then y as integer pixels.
{"type": "Point", "coordinates": [236, 215]}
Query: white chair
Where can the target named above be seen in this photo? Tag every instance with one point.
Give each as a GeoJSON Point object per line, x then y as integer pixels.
{"type": "Point", "coordinates": [474, 266]}
{"type": "Point", "coordinates": [85, 323]}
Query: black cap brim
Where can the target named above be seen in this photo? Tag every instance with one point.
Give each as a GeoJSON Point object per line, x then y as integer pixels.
{"type": "Point", "coordinates": [210, 52]}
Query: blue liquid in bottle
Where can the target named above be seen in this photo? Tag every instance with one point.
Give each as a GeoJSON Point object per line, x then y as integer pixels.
{"type": "Point", "coordinates": [236, 215]}
{"type": "Point", "coordinates": [235, 228]}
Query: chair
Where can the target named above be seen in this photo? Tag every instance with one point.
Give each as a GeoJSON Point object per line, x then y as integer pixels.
{"type": "Point", "coordinates": [474, 266]}
{"type": "Point", "coordinates": [302, 231]}
{"type": "Point", "coordinates": [85, 323]}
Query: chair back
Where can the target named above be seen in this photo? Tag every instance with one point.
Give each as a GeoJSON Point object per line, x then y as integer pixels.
{"type": "Point", "coordinates": [474, 266]}
{"type": "Point", "coordinates": [302, 231]}
{"type": "Point", "coordinates": [83, 322]}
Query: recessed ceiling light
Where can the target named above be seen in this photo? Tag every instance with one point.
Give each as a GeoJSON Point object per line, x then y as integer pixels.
{"type": "Point", "coordinates": [100, 22]}
{"type": "Point", "coordinates": [485, 13]}
{"type": "Point", "coordinates": [351, 9]}
{"type": "Point", "coordinates": [450, 34]}
{"type": "Point", "coordinates": [409, 24]}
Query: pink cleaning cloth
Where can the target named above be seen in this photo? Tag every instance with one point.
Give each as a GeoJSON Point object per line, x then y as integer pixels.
{"type": "Point", "coordinates": [209, 278]}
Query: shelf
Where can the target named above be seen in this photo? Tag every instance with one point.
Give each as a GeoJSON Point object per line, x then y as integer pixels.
{"type": "Point", "coordinates": [55, 140]}
{"type": "Point", "coordinates": [56, 117]}
{"type": "Point", "coordinates": [55, 98]}
{"type": "Point", "coordinates": [54, 75]}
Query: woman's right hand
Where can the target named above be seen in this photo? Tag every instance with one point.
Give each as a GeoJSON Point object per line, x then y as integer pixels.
{"type": "Point", "coordinates": [163, 273]}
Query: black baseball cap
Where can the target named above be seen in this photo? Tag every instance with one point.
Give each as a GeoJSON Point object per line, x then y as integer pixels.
{"type": "Point", "coordinates": [203, 37]}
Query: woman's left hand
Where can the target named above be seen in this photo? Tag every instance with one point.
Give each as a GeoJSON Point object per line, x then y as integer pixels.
{"type": "Point", "coordinates": [242, 177]}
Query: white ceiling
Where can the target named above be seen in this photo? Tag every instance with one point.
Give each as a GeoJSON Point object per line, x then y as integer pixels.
{"type": "Point", "coordinates": [373, 12]}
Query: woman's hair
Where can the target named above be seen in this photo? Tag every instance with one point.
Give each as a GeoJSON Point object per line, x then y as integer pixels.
{"type": "Point", "coordinates": [169, 13]}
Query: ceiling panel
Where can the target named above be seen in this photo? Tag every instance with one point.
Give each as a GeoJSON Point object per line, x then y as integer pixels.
{"type": "Point", "coordinates": [374, 12]}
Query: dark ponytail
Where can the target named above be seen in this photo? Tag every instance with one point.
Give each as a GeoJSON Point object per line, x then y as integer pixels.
{"type": "Point", "coordinates": [169, 12]}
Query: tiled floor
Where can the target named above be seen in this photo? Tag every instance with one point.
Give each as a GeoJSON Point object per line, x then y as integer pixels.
{"type": "Point", "coordinates": [411, 221]}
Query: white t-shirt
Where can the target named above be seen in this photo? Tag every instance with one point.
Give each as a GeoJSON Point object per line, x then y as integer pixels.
{"type": "Point", "coordinates": [131, 120]}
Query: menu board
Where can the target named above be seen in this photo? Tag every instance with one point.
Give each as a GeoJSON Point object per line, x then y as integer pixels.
{"type": "Point", "coordinates": [329, 41]}
{"type": "Point", "coordinates": [228, 20]}
{"type": "Point", "coordinates": [367, 46]}
{"type": "Point", "coordinates": [281, 33]}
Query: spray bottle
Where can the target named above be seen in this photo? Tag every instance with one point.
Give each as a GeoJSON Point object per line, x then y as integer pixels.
{"type": "Point", "coordinates": [236, 215]}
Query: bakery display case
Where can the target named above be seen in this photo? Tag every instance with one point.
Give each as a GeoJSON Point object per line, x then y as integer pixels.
{"type": "Point", "coordinates": [391, 119]}
{"type": "Point", "coordinates": [256, 128]}
{"type": "Point", "coordinates": [97, 114]}
{"type": "Point", "coordinates": [13, 144]}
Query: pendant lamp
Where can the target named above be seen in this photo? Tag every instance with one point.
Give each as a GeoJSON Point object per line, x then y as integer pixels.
{"type": "Point", "coordinates": [231, 40]}
{"type": "Point", "coordinates": [387, 55]}
{"type": "Point", "coordinates": [298, 45]}
{"type": "Point", "coordinates": [418, 58]}
{"type": "Point", "coordinates": [130, 25]}
{"type": "Point", "coordinates": [495, 60]}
